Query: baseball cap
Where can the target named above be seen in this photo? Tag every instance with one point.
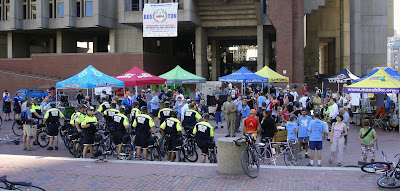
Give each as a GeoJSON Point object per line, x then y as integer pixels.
{"type": "Point", "coordinates": [293, 116]}
{"type": "Point", "coordinates": [252, 111]}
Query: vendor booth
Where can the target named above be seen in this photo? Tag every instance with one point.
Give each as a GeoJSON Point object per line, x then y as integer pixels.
{"type": "Point", "coordinates": [343, 77]}
{"type": "Point", "coordinates": [272, 75]}
{"type": "Point", "coordinates": [180, 76]}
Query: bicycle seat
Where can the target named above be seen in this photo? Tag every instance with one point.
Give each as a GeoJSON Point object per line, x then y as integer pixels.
{"type": "Point", "coordinates": [261, 144]}
{"type": "Point", "coordinates": [3, 178]}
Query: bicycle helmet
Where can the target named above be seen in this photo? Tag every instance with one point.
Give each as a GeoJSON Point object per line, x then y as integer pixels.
{"type": "Point", "coordinates": [113, 105]}
{"type": "Point", "coordinates": [52, 104]}
{"type": "Point", "coordinates": [173, 113]}
{"type": "Point", "coordinates": [122, 108]}
{"type": "Point", "coordinates": [143, 109]}
{"type": "Point", "coordinates": [135, 103]}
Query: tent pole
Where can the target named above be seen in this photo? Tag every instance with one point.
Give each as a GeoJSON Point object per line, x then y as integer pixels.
{"type": "Point", "coordinates": [56, 97]}
{"type": "Point", "coordinates": [136, 90]}
{"type": "Point", "coordinates": [322, 87]}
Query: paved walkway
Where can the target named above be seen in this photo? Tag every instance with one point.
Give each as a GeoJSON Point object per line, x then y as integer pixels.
{"type": "Point", "coordinates": [59, 173]}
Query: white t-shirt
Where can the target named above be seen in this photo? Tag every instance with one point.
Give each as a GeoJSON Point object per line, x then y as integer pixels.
{"type": "Point", "coordinates": [303, 101]}
{"type": "Point", "coordinates": [294, 94]}
{"type": "Point", "coordinates": [181, 96]}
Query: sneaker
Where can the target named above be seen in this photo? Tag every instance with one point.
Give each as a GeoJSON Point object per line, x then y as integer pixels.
{"type": "Point", "coordinates": [30, 149]}
{"type": "Point", "coordinates": [35, 142]}
{"type": "Point", "coordinates": [222, 127]}
{"type": "Point", "coordinates": [216, 127]}
{"type": "Point", "coordinates": [24, 148]}
{"type": "Point", "coordinates": [306, 156]}
{"type": "Point", "coordinates": [339, 164]}
{"type": "Point", "coordinates": [309, 164]}
{"type": "Point", "coordinates": [49, 148]}
{"type": "Point", "coordinates": [330, 160]}
{"type": "Point", "coordinates": [227, 135]}
{"type": "Point", "coordinates": [345, 147]}
{"type": "Point", "coordinates": [233, 135]}
{"type": "Point", "coordinates": [319, 165]}
{"type": "Point", "coordinates": [55, 148]}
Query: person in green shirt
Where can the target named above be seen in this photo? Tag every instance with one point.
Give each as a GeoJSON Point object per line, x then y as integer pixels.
{"type": "Point", "coordinates": [89, 128]}
{"type": "Point", "coordinates": [204, 136]}
{"type": "Point", "coordinates": [51, 119]}
{"type": "Point", "coordinates": [120, 128]}
{"type": "Point", "coordinates": [367, 138]}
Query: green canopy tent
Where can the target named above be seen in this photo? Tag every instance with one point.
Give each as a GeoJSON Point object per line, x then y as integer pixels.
{"type": "Point", "coordinates": [180, 76]}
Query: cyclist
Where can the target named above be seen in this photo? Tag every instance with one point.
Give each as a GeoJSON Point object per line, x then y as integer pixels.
{"type": "Point", "coordinates": [164, 113]}
{"type": "Point", "coordinates": [171, 129]}
{"type": "Point", "coordinates": [27, 122]}
{"type": "Point", "coordinates": [190, 118]}
{"type": "Point", "coordinates": [109, 114]}
{"type": "Point", "coordinates": [36, 111]}
{"type": "Point", "coordinates": [89, 127]}
{"type": "Point", "coordinates": [104, 106]}
{"type": "Point", "coordinates": [121, 127]}
{"type": "Point", "coordinates": [142, 124]}
{"type": "Point", "coordinates": [51, 119]}
{"type": "Point", "coordinates": [251, 124]}
{"type": "Point", "coordinates": [204, 136]}
{"type": "Point", "coordinates": [135, 111]}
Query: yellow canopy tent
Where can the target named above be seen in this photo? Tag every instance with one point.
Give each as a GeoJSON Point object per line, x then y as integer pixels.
{"type": "Point", "coordinates": [272, 75]}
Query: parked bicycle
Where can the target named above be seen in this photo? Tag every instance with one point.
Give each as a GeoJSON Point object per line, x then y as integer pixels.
{"type": "Point", "coordinates": [375, 167]}
{"type": "Point", "coordinates": [251, 155]}
{"type": "Point", "coordinates": [212, 155]}
{"type": "Point", "coordinates": [289, 151]}
{"type": "Point", "coordinates": [188, 150]}
{"type": "Point", "coordinates": [17, 128]}
{"type": "Point", "coordinates": [391, 177]}
{"type": "Point", "coordinates": [8, 185]}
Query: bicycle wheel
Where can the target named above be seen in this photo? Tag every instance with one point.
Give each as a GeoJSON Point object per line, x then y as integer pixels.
{"type": "Point", "coordinates": [267, 156]}
{"type": "Point", "coordinates": [250, 162]}
{"type": "Point", "coordinates": [191, 153]}
{"type": "Point", "coordinates": [17, 128]}
{"type": "Point", "coordinates": [1, 121]}
{"type": "Point", "coordinates": [43, 138]}
{"type": "Point", "coordinates": [77, 150]}
{"type": "Point", "coordinates": [127, 152]}
{"type": "Point", "coordinates": [375, 167]}
{"type": "Point", "coordinates": [181, 155]}
{"type": "Point", "coordinates": [155, 154]}
{"type": "Point", "coordinates": [212, 157]}
{"type": "Point", "coordinates": [388, 182]}
{"type": "Point", "coordinates": [163, 147]}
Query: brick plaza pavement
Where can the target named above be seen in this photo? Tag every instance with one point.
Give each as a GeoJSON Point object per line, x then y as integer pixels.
{"type": "Point", "coordinates": [59, 173]}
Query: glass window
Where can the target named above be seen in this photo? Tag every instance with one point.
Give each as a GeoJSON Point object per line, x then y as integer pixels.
{"type": "Point", "coordinates": [78, 9]}
{"type": "Point", "coordinates": [395, 61]}
{"type": "Point", "coordinates": [24, 11]}
{"type": "Point", "coordinates": [7, 12]}
{"type": "Point", "coordinates": [60, 10]}
{"type": "Point", "coordinates": [1, 11]}
{"type": "Point", "coordinates": [33, 10]}
{"type": "Point", "coordinates": [396, 67]}
{"type": "Point", "coordinates": [395, 55]}
{"type": "Point", "coordinates": [396, 50]}
{"type": "Point", "coordinates": [30, 91]}
{"type": "Point", "coordinates": [89, 8]}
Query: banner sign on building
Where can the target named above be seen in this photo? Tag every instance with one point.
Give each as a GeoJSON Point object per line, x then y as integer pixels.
{"type": "Point", "coordinates": [160, 20]}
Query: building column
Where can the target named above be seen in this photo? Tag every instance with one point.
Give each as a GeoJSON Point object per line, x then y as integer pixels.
{"type": "Point", "coordinates": [215, 60]}
{"type": "Point", "coordinates": [59, 42]}
{"type": "Point", "coordinates": [95, 44]}
{"type": "Point", "coordinates": [355, 37]}
{"type": "Point", "coordinates": [345, 35]}
{"type": "Point", "coordinates": [267, 50]}
{"type": "Point", "coordinates": [201, 52]}
{"type": "Point", "coordinates": [111, 37]}
{"type": "Point", "coordinates": [9, 45]}
{"type": "Point", "coordinates": [51, 45]}
{"type": "Point", "coordinates": [260, 47]}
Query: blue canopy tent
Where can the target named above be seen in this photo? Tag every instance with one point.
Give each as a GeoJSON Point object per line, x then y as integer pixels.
{"type": "Point", "coordinates": [89, 78]}
{"type": "Point", "coordinates": [243, 75]}
{"type": "Point", "coordinates": [387, 70]}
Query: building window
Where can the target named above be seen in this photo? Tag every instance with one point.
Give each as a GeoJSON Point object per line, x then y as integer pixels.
{"type": "Point", "coordinates": [60, 10]}
{"type": "Point", "coordinates": [395, 61]}
{"type": "Point", "coordinates": [396, 50]}
{"type": "Point", "coordinates": [7, 15]}
{"type": "Point", "coordinates": [33, 11]}
{"type": "Point", "coordinates": [88, 8]}
{"type": "Point", "coordinates": [78, 9]}
{"type": "Point", "coordinates": [396, 67]}
{"type": "Point", "coordinates": [395, 55]}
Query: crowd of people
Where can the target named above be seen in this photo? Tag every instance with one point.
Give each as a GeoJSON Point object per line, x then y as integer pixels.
{"type": "Point", "coordinates": [306, 118]}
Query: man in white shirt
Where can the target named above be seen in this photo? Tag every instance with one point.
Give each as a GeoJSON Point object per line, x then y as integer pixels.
{"type": "Point", "coordinates": [185, 107]}
{"type": "Point", "coordinates": [303, 100]}
{"type": "Point", "coordinates": [334, 110]}
{"type": "Point", "coordinates": [294, 94]}
{"type": "Point", "coordinates": [238, 103]}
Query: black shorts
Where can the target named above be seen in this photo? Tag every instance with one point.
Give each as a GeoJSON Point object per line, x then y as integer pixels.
{"type": "Point", "coordinates": [17, 110]}
{"type": "Point", "coordinates": [141, 140]}
{"type": "Point", "coordinates": [117, 137]}
{"type": "Point", "coordinates": [173, 143]}
{"type": "Point", "coordinates": [154, 112]}
{"type": "Point", "coordinates": [204, 145]}
{"type": "Point", "coordinates": [52, 130]}
{"type": "Point", "coordinates": [88, 138]}
{"type": "Point", "coordinates": [315, 145]}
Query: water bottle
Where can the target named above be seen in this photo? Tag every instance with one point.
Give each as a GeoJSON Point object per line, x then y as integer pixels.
{"type": "Point", "coordinates": [273, 150]}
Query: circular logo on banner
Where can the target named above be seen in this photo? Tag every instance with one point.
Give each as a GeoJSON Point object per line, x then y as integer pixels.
{"type": "Point", "coordinates": [97, 73]}
{"type": "Point", "coordinates": [83, 73]}
{"type": "Point", "coordinates": [160, 15]}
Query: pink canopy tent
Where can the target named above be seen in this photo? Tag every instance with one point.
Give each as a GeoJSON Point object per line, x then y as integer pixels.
{"type": "Point", "coordinates": [138, 77]}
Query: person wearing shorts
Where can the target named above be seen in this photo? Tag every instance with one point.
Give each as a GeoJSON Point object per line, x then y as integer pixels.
{"type": "Point", "coordinates": [143, 124]}
{"type": "Point", "coordinates": [204, 136]}
{"type": "Point", "coordinates": [317, 128]}
{"type": "Point", "coordinates": [51, 119]}
{"type": "Point", "coordinates": [367, 140]}
{"type": "Point", "coordinates": [171, 129]}
{"type": "Point", "coordinates": [89, 128]}
{"type": "Point", "coordinates": [303, 121]}
{"type": "Point", "coordinates": [121, 128]}
{"type": "Point", "coordinates": [27, 121]}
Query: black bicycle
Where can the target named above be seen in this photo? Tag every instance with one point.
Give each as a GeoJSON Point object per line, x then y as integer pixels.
{"type": "Point", "coordinates": [188, 149]}
{"type": "Point", "coordinates": [8, 185]}
{"type": "Point", "coordinates": [251, 155]}
{"type": "Point", "coordinates": [42, 137]}
{"type": "Point", "coordinates": [155, 150]}
{"type": "Point", "coordinates": [212, 155]}
{"type": "Point", "coordinates": [17, 128]}
{"type": "Point", "coordinates": [391, 177]}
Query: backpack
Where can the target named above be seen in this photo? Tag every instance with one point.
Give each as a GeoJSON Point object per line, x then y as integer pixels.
{"type": "Point", "coordinates": [24, 118]}
{"type": "Point", "coordinates": [309, 104]}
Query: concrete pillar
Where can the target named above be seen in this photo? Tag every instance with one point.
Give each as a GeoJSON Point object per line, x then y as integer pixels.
{"type": "Point", "coordinates": [51, 45]}
{"type": "Point", "coordinates": [355, 37]}
{"type": "Point", "coordinates": [201, 52]}
{"type": "Point", "coordinates": [260, 47]}
{"type": "Point", "coordinates": [95, 44]}
{"type": "Point", "coordinates": [345, 35]}
{"type": "Point", "coordinates": [124, 41]}
{"type": "Point", "coordinates": [9, 45]}
{"type": "Point", "coordinates": [267, 50]}
{"type": "Point", "coordinates": [59, 42]}
{"type": "Point", "coordinates": [111, 37]}
{"type": "Point", "coordinates": [16, 16]}
{"type": "Point", "coordinates": [215, 60]}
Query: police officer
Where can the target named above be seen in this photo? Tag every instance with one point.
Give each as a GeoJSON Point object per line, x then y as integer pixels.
{"type": "Point", "coordinates": [204, 136]}
{"type": "Point", "coordinates": [36, 111]}
{"type": "Point", "coordinates": [190, 118]}
{"type": "Point", "coordinates": [51, 119]}
{"type": "Point", "coordinates": [79, 117]}
{"type": "Point", "coordinates": [121, 127]}
{"type": "Point", "coordinates": [89, 127]}
{"type": "Point", "coordinates": [104, 106]}
{"type": "Point", "coordinates": [171, 129]}
{"type": "Point", "coordinates": [142, 124]}
{"type": "Point", "coordinates": [135, 110]}
{"type": "Point", "coordinates": [164, 113]}
{"type": "Point", "coordinates": [109, 114]}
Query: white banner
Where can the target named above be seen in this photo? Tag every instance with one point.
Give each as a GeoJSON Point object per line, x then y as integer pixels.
{"type": "Point", "coordinates": [160, 20]}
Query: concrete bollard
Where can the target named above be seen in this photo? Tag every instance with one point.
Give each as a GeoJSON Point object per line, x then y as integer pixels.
{"type": "Point", "coordinates": [229, 156]}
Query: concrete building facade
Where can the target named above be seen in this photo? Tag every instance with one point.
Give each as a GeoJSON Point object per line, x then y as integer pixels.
{"type": "Point", "coordinates": [294, 37]}
{"type": "Point", "coordinates": [394, 55]}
